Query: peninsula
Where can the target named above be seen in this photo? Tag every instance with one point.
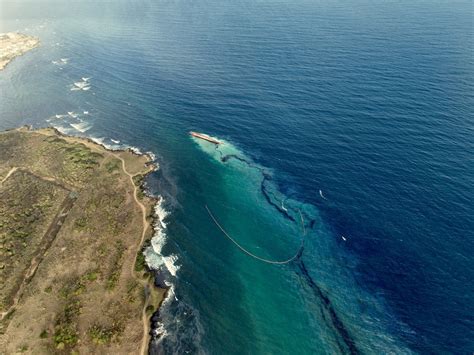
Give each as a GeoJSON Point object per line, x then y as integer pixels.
{"type": "Point", "coordinates": [13, 44]}
{"type": "Point", "coordinates": [73, 222]}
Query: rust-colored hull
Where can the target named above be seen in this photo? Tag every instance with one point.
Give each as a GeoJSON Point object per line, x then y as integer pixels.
{"type": "Point", "coordinates": [204, 137]}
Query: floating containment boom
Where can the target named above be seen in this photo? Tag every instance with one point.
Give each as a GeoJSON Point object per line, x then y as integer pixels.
{"type": "Point", "coordinates": [204, 137]}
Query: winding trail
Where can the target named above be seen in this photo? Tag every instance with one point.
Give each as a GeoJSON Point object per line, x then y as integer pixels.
{"type": "Point", "coordinates": [144, 345]}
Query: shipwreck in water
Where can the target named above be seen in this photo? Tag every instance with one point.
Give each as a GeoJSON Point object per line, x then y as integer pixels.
{"type": "Point", "coordinates": [204, 137]}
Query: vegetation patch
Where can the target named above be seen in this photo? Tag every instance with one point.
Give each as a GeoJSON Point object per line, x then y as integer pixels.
{"type": "Point", "coordinates": [80, 223]}
{"type": "Point", "coordinates": [149, 309]}
{"type": "Point", "coordinates": [140, 262]}
{"type": "Point", "coordinates": [65, 336]}
{"type": "Point", "coordinates": [44, 334]}
{"type": "Point", "coordinates": [138, 180]}
{"type": "Point", "coordinates": [116, 267]}
{"type": "Point", "coordinates": [112, 166]}
{"type": "Point", "coordinates": [132, 288]}
{"type": "Point", "coordinates": [28, 205]}
{"type": "Point", "coordinates": [74, 287]}
{"type": "Point", "coordinates": [105, 335]}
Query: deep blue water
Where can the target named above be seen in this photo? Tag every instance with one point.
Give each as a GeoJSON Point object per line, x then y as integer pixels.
{"type": "Point", "coordinates": [371, 103]}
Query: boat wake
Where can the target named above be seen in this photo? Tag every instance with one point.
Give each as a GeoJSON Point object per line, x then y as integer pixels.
{"type": "Point", "coordinates": [321, 194]}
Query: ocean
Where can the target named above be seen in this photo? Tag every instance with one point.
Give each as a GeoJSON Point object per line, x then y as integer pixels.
{"type": "Point", "coordinates": [346, 125]}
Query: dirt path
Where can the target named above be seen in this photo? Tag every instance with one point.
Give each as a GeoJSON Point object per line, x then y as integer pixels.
{"type": "Point", "coordinates": [12, 170]}
{"type": "Point", "coordinates": [144, 346]}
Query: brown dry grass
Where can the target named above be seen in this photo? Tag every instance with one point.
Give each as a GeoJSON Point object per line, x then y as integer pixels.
{"type": "Point", "coordinates": [84, 295]}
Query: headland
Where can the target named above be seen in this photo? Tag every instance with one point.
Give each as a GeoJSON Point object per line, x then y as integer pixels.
{"type": "Point", "coordinates": [73, 222]}
{"type": "Point", "coordinates": [13, 44]}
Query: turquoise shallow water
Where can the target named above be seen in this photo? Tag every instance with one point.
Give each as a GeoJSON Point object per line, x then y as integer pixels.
{"type": "Point", "coordinates": [371, 105]}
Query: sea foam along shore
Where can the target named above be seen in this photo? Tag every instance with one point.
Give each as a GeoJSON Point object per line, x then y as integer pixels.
{"type": "Point", "coordinates": [153, 253]}
{"type": "Point", "coordinates": [164, 267]}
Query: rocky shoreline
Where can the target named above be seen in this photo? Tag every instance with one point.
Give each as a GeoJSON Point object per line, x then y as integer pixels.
{"type": "Point", "coordinates": [13, 44]}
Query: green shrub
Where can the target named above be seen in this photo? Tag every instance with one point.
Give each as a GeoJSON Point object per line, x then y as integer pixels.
{"type": "Point", "coordinates": [140, 262]}
{"type": "Point", "coordinates": [112, 166]}
{"type": "Point", "coordinates": [149, 309]}
{"type": "Point", "coordinates": [44, 334]}
{"type": "Point", "coordinates": [65, 336]}
{"type": "Point", "coordinates": [104, 335]}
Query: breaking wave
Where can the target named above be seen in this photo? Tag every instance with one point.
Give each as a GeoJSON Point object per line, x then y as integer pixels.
{"type": "Point", "coordinates": [82, 126]}
{"type": "Point", "coordinates": [153, 254]}
{"type": "Point", "coordinates": [84, 84]}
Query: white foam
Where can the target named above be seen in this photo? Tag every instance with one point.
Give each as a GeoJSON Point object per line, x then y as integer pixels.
{"type": "Point", "coordinates": [170, 263]}
{"type": "Point", "coordinates": [161, 213]}
{"type": "Point", "coordinates": [64, 130]}
{"type": "Point", "coordinates": [72, 114]}
{"type": "Point", "coordinates": [80, 84]}
{"type": "Point", "coordinates": [153, 254]}
{"type": "Point", "coordinates": [160, 332]}
{"type": "Point", "coordinates": [85, 112]}
{"type": "Point", "coordinates": [81, 127]}
{"type": "Point", "coordinates": [136, 150]}
{"type": "Point", "coordinates": [115, 141]}
{"type": "Point", "coordinates": [151, 155]}
{"type": "Point", "coordinates": [101, 141]}
{"type": "Point", "coordinates": [61, 61]}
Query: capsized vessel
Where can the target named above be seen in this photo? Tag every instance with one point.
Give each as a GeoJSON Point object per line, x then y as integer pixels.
{"type": "Point", "coordinates": [204, 137]}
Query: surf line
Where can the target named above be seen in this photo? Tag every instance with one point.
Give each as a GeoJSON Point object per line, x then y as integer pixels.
{"type": "Point", "coordinates": [297, 255]}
